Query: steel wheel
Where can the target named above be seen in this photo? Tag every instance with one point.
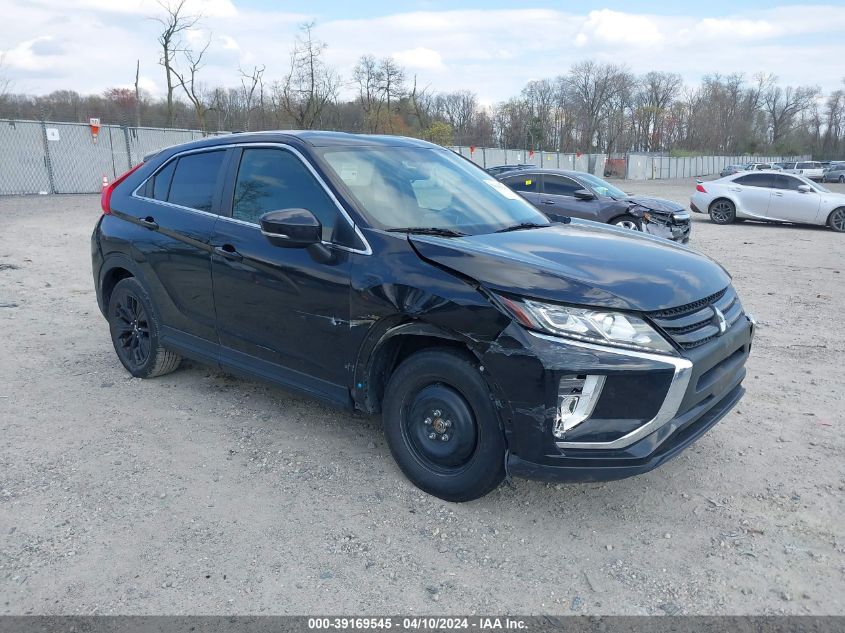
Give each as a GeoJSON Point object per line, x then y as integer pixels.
{"type": "Point", "coordinates": [836, 221]}
{"type": "Point", "coordinates": [722, 212]}
{"type": "Point", "coordinates": [440, 428]}
{"type": "Point", "coordinates": [132, 330]}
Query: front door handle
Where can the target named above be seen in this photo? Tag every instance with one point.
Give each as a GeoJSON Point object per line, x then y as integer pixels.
{"type": "Point", "coordinates": [227, 251]}
{"type": "Point", "coordinates": [148, 222]}
{"type": "Point", "coordinates": [778, 194]}
{"type": "Point", "coordinates": [547, 201]}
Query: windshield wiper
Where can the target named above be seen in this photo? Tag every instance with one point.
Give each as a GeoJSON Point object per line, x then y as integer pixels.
{"type": "Point", "coordinates": [428, 230]}
{"type": "Point", "coordinates": [521, 227]}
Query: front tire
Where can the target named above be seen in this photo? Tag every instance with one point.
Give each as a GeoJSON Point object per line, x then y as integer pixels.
{"type": "Point", "coordinates": [722, 212]}
{"type": "Point", "coordinates": [627, 222]}
{"type": "Point", "coordinates": [134, 328]}
{"type": "Point", "coordinates": [841, 180]}
{"type": "Point", "coordinates": [836, 220]}
{"type": "Point", "coordinates": [441, 426]}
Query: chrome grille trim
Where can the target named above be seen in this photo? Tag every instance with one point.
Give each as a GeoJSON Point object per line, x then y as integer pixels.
{"type": "Point", "coordinates": [695, 324]}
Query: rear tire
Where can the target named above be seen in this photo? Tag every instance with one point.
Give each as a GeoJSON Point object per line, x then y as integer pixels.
{"type": "Point", "coordinates": [836, 220]}
{"type": "Point", "coordinates": [627, 222]}
{"type": "Point", "coordinates": [134, 328]}
{"type": "Point", "coordinates": [441, 426]}
{"type": "Point", "coordinates": [722, 211]}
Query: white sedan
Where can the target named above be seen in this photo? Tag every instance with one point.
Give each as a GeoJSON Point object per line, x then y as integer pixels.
{"type": "Point", "coordinates": [770, 196]}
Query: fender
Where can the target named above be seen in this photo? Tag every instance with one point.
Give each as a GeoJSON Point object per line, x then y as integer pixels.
{"type": "Point", "coordinates": [110, 262]}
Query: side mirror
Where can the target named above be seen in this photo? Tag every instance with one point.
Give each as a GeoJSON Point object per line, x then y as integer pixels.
{"type": "Point", "coordinates": [805, 188]}
{"type": "Point", "coordinates": [583, 194]}
{"type": "Point", "coordinates": [291, 228]}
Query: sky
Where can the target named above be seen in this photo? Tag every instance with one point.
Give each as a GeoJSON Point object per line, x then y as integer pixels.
{"type": "Point", "coordinates": [491, 47]}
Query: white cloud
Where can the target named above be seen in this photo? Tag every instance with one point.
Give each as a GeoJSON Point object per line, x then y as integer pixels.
{"type": "Point", "coordinates": [419, 57]}
{"type": "Point", "coordinates": [612, 27]}
{"type": "Point", "coordinates": [90, 45]}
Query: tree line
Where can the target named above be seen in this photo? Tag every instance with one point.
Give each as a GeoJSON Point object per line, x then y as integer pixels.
{"type": "Point", "coordinates": [593, 106]}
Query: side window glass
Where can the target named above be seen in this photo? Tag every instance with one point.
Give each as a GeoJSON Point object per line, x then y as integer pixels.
{"type": "Point", "coordinates": [195, 180]}
{"type": "Point", "coordinates": [527, 183]}
{"type": "Point", "coordinates": [785, 182]}
{"type": "Point", "coordinates": [273, 179]}
{"type": "Point", "coordinates": [755, 180]}
{"type": "Point", "coordinates": [560, 186]}
{"type": "Point", "coordinates": [161, 182]}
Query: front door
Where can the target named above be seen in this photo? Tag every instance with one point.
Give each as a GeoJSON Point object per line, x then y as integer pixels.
{"type": "Point", "coordinates": [281, 312]}
{"type": "Point", "coordinates": [526, 184]}
{"type": "Point", "coordinates": [558, 199]}
{"type": "Point", "coordinates": [790, 204]}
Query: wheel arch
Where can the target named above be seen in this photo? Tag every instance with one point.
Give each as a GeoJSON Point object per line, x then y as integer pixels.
{"type": "Point", "coordinates": [830, 215]}
{"type": "Point", "coordinates": [115, 268]}
{"type": "Point", "coordinates": [382, 353]}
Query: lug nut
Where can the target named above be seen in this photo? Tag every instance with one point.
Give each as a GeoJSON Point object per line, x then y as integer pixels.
{"type": "Point", "coordinates": [431, 436]}
{"type": "Point", "coordinates": [428, 421]}
{"type": "Point", "coordinates": [447, 423]}
{"type": "Point", "coordinates": [436, 413]}
{"type": "Point", "coordinates": [444, 437]}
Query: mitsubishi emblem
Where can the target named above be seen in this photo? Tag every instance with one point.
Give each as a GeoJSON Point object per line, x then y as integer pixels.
{"type": "Point", "coordinates": [720, 320]}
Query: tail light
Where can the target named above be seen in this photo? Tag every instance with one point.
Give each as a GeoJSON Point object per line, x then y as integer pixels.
{"type": "Point", "coordinates": [700, 188]}
{"type": "Point", "coordinates": [105, 199]}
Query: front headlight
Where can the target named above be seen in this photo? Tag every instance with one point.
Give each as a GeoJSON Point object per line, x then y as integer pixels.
{"type": "Point", "coordinates": [603, 327]}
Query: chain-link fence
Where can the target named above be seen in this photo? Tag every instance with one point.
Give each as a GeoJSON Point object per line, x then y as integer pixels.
{"type": "Point", "coordinates": [47, 157]}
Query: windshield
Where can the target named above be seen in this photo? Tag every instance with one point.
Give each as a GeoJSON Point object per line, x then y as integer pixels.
{"type": "Point", "coordinates": [417, 187]}
{"type": "Point", "coordinates": [602, 187]}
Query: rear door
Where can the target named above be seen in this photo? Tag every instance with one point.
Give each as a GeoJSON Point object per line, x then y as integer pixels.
{"type": "Point", "coordinates": [753, 191]}
{"type": "Point", "coordinates": [282, 313]}
{"type": "Point", "coordinates": [178, 210]}
{"type": "Point", "coordinates": [558, 199]}
{"type": "Point", "coordinates": [527, 185]}
{"type": "Point", "coordinates": [790, 204]}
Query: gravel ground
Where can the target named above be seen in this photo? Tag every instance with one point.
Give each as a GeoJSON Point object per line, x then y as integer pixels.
{"type": "Point", "coordinates": [202, 493]}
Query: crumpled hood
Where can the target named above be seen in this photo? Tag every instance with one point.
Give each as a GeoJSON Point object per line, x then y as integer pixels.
{"type": "Point", "coordinates": [655, 204]}
{"type": "Point", "coordinates": [581, 262]}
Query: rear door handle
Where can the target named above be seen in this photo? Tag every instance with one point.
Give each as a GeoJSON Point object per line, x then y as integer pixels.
{"type": "Point", "coordinates": [547, 201]}
{"type": "Point", "coordinates": [734, 188]}
{"type": "Point", "coordinates": [148, 222]}
{"type": "Point", "coordinates": [227, 251]}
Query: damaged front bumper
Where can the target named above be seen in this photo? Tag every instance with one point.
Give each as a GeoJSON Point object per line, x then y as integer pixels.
{"type": "Point", "coordinates": [651, 406]}
{"type": "Point", "coordinates": [675, 227]}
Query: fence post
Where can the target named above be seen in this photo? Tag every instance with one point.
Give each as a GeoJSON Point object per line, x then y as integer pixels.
{"type": "Point", "coordinates": [128, 147]}
{"type": "Point", "coordinates": [47, 161]}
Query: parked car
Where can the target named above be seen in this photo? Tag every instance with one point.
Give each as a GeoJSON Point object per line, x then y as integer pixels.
{"type": "Point", "coordinates": [501, 169]}
{"type": "Point", "coordinates": [835, 172]}
{"type": "Point", "coordinates": [389, 275]}
{"type": "Point", "coordinates": [782, 166]}
{"type": "Point", "coordinates": [566, 194]}
{"type": "Point", "coordinates": [760, 166]}
{"type": "Point", "coordinates": [770, 196]}
{"type": "Point", "coordinates": [731, 169]}
{"type": "Point", "coordinates": [809, 169]}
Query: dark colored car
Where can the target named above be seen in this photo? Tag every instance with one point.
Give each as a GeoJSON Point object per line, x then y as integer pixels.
{"type": "Point", "coordinates": [501, 169]}
{"type": "Point", "coordinates": [388, 275]}
{"type": "Point", "coordinates": [563, 194]}
{"type": "Point", "coordinates": [730, 170]}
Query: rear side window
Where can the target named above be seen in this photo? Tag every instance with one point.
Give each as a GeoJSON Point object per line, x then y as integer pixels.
{"type": "Point", "coordinates": [755, 180]}
{"type": "Point", "coordinates": [526, 183]}
{"type": "Point", "coordinates": [195, 180]}
{"type": "Point", "coordinates": [273, 179]}
{"type": "Point", "coordinates": [159, 185]}
{"type": "Point", "coordinates": [805, 166]}
{"type": "Point", "coordinates": [787, 182]}
{"type": "Point", "coordinates": [560, 186]}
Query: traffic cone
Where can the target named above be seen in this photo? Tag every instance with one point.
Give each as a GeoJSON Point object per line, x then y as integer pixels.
{"type": "Point", "coordinates": [105, 181]}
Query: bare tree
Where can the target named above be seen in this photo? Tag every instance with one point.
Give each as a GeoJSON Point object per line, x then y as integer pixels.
{"type": "Point", "coordinates": [310, 84]}
{"type": "Point", "coordinates": [189, 81]}
{"type": "Point", "coordinates": [591, 87]}
{"type": "Point", "coordinates": [174, 23]}
{"type": "Point", "coordinates": [367, 75]}
{"type": "Point", "coordinates": [783, 105]}
{"type": "Point", "coordinates": [458, 109]}
{"type": "Point", "coordinates": [5, 81]}
{"type": "Point", "coordinates": [392, 86]}
{"type": "Point", "coordinates": [252, 82]}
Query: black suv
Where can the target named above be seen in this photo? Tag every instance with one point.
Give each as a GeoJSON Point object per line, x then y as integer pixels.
{"type": "Point", "coordinates": [385, 274]}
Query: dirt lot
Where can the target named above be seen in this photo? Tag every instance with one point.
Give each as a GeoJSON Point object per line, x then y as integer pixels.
{"type": "Point", "coordinates": [201, 493]}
